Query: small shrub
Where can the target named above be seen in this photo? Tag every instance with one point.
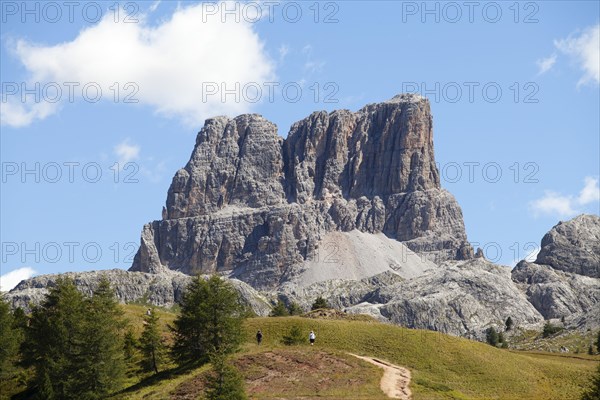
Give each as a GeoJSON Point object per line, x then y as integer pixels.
{"type": "Point", "coordinates": [593, 390]}
{"type": "Point", "coordinates": [294, 336]}
{"type": "Point", "coordinates": [501, 338]}
{"type": "Point", "coordinates": [491, 336]}
{"type": "Point", "coordinates": [319, 303]}
{"type": "Point", "coordinates": [550, 329]}
{"type": "Point", "coordinates": [509, 323]}
{"type": "Point", "coordinates": [280, 310]}
{"type": "Point", "coordinates": [224, 382]}
{"type": "Point", "coordinates": [295, 309]}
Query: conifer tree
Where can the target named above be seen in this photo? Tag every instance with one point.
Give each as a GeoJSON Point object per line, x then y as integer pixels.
{"type": "Point", "coordinates": [103, 362]}
{"type": "Point", "coordinates": [491, 336]}
{"type": "Point", "coordinates": [74, 343]}
{"type": "Point", "coordinates": [295, 309]}
{"type": "Point", "coordinates": [151, 343]}
{"type": "Point", "coordinates": [319, 303]}
{"type": "Point", "coordinates": [210, 320]}
{"type": "Point", "coordinates": [130, 348]}
{"type": "Point", "coordinates": [10, 339]}
{"type": "Point", "coordinates": [509, 323]}
{"type": "Point", "coordinates": [224, 382]}
{"type": "Point", "coordinates": [54, 342]}
{"type": "Point", "coordinates": [280, 310]}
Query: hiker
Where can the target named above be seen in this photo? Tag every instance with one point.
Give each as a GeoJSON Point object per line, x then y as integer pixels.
{"type": "Point", "coordinates": [311, 338]}
{"type": "Point", "coordinates": [258, 337]}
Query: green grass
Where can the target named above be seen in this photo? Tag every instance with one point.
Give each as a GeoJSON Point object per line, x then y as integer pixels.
{"type": "Point", "coordinates": [577, 342]}
{"type": "Point", "coordinates": [445, 367]}
{"type": "Point", "coordinates": [442, 366]}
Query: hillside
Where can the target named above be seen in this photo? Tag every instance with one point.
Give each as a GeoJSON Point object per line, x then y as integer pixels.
{"type": "Point", "coordinates": [442, 367]}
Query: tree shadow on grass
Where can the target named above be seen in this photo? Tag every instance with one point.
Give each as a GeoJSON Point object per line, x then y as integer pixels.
{"type": "Point", "coordinates": [156, 378]}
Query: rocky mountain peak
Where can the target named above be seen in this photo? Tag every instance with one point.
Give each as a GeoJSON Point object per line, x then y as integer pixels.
{"type": "Point", "coordinates": [249, 201]}
{"type": "Point", "coordinates": [573, 246]}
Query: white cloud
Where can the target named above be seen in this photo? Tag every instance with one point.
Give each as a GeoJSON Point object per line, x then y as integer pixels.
{"type": "Point", "coordinates": [13, 278]}
{"type": "Point", "coordinates": [311, 65]}
{"type": "Point", "coordinates": [17, 114]}
{"type": "Point", "coordinates": [544, 64]}
{"type": "Point", "coordinates": [154, 6]}
{"type": "Point", "coordinates": [170, 63]}
{"type": "Point", "coordinates": [126, 152]}
{"type": "Point", "coordinates": [584, 50]}
{"type": "Point", "coordinates": [283, 50]}
{"type": "Point", "coordinates": [553, 203]}
{"type": "Point", "coordinates": [590, 192]}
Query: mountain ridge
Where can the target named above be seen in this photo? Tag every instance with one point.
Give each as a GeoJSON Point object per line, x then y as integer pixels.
{"type": "Point", "coordinates": [348, 207]}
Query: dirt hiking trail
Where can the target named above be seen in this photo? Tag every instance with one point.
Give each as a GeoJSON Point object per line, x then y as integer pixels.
{"type": "Point", "coordinates": [395, 380]}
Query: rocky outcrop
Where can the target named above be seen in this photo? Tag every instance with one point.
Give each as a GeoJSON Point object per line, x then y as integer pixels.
{"type": "Point", "coordinates": [460, 298]}
{"type": "Point", "coordinates": [162, 290]}
{"type": "Point", "coordinates": [236, 162]}
{"type": "Point", "coordinates": [253, 205]}
{"type": "Point", "coordinates": [563, 282]}
{"type": "Point", "coordinates": [557, 294]}
{"type": "Point", "coordinates": [573, 246]}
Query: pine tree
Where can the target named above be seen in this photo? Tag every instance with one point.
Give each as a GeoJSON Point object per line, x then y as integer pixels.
{"type": "Point", "coordinates": [295, 309]}
{"type": "Point", "coordinates": [224, 382]}
{"type": "Point", "coordinates": [54, 342]}
{"type": "Point", "coordinates": [210, 320]}
{"type": "Point", "coordinates": [103, 360]}
{"type": "Point", "coordinates": [151, 343]}
{"type": "Point", "coordinates": [130, 348]}
{"type": "Point", "coordinates": [319, 303]}
{"type": "Point", "coordinates": [10, 339]}
{"type": "Point", "coordinates": [74, 343]}
{"type": "Point", "coordinates": [598, 342]}
{"type": "Point", "coordinates": [501, 338]}
{"type": "Point", "coordinates": [509, 323]}
{"type": "Point", "coordinates": [280, 310]}
{"type": "Point", "coordinates": [491, 336]}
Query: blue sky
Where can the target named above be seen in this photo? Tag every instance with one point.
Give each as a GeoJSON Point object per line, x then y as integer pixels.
{"type": "Point", "coordinates": [514, 90]}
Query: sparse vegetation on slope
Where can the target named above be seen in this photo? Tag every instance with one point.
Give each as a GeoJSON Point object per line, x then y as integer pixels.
{"type": "Point", "coordinates": [443, 367]}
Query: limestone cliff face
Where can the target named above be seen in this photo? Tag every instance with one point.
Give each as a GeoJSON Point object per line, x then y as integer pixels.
{"type": "Point", "coordinates": [255, 206]}
{"type": "Point", "coordinates": [573, 246]}
{"type": "Point", "coordinates": [236, 162]}
{"type": "Point", "coordinates": [349, 207]}
{"type": "Point", "coordinates": [564, 280]}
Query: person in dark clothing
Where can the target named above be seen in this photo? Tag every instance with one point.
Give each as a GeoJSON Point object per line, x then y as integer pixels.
{"type": "Point", "coordinates": [259, 336]}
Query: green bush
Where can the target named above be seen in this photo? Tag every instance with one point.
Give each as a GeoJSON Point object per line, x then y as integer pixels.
{"type": "Point", "coordinates": [491, 336]}
{"type": "Point", "coordinates": [593, 391]}
{"type": "Point", "coordinates": [319, 303]}
{"type": "Point", "coordinates": [294, 336]}
{"type": "Point", "coordinates": [295, 309]}
{"type": "Point", "coordinates": [280, 310]}
{"type": "Point", "coordinates": [550, 329]}
{"type": "Point", "coordinates": [509, 323]}
{"type": "Point", "coordinates": [224, 382]}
